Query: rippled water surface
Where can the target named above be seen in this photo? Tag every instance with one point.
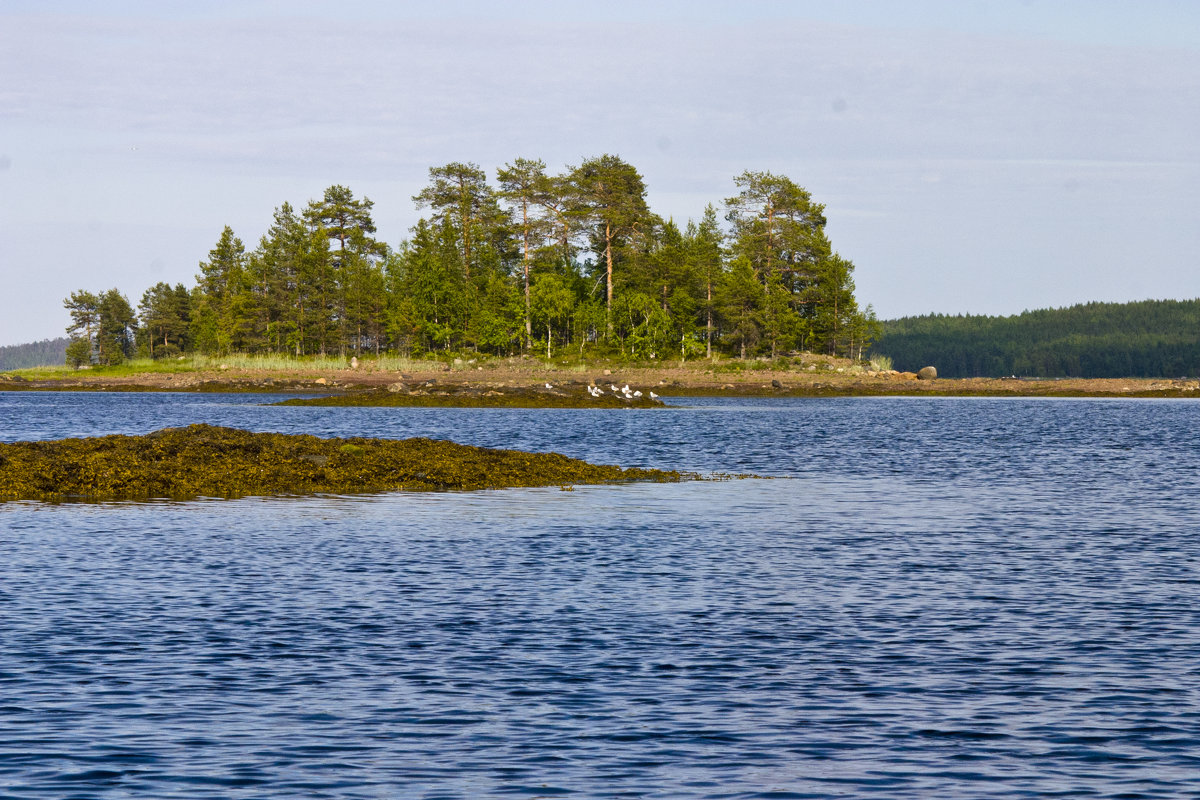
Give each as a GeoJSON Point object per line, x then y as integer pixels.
{"type": "Point", "coordinates": [928, 598]}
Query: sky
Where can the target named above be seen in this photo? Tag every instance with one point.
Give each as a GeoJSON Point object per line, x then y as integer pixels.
{"type": "Point", "coordinates": [974, 156]}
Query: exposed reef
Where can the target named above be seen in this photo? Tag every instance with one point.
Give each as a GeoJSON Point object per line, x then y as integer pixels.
{"type": "Point", "coordinates": [435, 394]}
{"type": "Point", "coordinates": [211, 461]}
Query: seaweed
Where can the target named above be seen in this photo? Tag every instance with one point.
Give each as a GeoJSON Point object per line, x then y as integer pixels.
{"type": "Point", "coordinates": [211, 461]}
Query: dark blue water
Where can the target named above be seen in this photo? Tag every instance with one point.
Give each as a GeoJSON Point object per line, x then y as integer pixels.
{"type": "Point", "coordinates": [930, 598]}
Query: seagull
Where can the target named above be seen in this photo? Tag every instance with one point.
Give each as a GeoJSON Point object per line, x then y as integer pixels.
{"type": "Point", "coordinates": [614, 388]}
{"type": "Point", "coordinates": [653, 396]}
{"type": "Point", "coordinates": [637, 394]}
{"type": "Point", "coordinates": [548, 386]}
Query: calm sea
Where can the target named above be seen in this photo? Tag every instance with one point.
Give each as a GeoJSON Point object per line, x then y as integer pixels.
{"type": "Point", "coordinates": [924, 598]}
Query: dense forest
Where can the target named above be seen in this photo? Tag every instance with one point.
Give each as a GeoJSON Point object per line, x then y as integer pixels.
{"type": "Point", "coordinates": [48, 352]}
{"type": "Point", "coordinates": [1151, 339]}
{"type": "Point", "coordinates": [534, 262]}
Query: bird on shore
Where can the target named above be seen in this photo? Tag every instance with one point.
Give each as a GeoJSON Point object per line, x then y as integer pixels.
{"type": "Point", "coordinates": [653, 396]}
{"type": "Point", "coordinates": [637, 393]}
{"type": "Point", "coordinates": [548, 386]}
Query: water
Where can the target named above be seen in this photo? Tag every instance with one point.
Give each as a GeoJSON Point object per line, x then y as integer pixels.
{"type": "Point", "coordinates": [928, 598]}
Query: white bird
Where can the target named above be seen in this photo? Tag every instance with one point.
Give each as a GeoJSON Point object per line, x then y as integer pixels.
{"type": "Point", "coordinates": [548, 386]}
{"type": "Point", "coordinates": [637, 394]}
{"type": "Point", "coordinates": [614, 388]}
{"type": "Point", "coordinates": [653, 396]}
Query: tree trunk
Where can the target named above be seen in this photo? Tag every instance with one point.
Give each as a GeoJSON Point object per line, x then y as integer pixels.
{"type": "Point", "coordinates": [528, 320]}
{"type": "Point", "coordinates": [708, 325]}
{"type": "Point", "coordinates": [608, 237]}
{"type": "Point", "coordinates": [770, 226]}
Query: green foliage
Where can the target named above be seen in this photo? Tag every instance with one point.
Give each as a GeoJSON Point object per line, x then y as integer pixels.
{"type": "Point", "coordinates": [114, 335]}
{"type": "Point", "coordinates": [166, 315]}
{"type": "Point", "coordinates": [78, 353]}
{"type": "Point", "coordinates": [1151, 338]}
{"type": "Point", "coordinates": [574, 262]}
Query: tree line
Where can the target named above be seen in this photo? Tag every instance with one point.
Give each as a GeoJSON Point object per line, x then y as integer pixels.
{"type": "Point", "coordinates": [1150, 339]}
{"type": "Point", "coordinates": [47, 352]}
{"type": "Point", "coordinates": [534, 261]}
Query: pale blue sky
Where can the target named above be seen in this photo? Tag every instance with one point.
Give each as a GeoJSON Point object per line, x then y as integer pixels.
{"type": "Point", "coordinates": [982, 157]}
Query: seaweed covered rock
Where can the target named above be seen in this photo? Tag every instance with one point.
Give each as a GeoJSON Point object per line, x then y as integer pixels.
{"type": "Point", "coordinates": [432, 394]}
{"type": "Point", "coordinates": [211, 461]}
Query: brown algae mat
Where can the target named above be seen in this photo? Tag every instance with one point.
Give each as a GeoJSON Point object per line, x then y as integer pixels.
{"type": "Point", "coordinates": [211, 461]}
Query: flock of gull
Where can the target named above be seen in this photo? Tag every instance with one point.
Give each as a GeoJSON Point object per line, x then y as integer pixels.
{"type": "Point", "coordinates": [624, 391]}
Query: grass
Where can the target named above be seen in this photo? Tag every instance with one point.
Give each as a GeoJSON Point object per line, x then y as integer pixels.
{"type": "Point", "coordinates": [238, 361]}
{"type": "Point", "coordinates": [881, 363]}
{"type": "Point", "coordinates": [280, 363]}
{"type": "Point", "coordinates": [137, 366]}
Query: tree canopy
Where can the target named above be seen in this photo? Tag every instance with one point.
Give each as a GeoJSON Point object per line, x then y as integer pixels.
{"type": "Point", "coordinates": [534, 262]}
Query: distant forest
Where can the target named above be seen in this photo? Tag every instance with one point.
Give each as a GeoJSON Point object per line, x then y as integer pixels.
{"type": "Point", "coordinates": [1146, 339]}
{"type": "Point", "coordinates": [532, 262]}
{"type": "Point", "coordinates": [46, 353]}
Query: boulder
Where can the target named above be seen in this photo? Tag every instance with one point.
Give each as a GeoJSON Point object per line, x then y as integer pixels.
{"type": "Point", "coordinates": [927, 373]}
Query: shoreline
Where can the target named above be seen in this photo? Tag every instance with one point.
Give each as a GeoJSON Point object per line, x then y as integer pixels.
{"type": "Point", "coordinates": [441, 384]}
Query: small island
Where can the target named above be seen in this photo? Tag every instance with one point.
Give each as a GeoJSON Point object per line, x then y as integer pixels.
{"type": "Point", "coordinates": [211, 461]}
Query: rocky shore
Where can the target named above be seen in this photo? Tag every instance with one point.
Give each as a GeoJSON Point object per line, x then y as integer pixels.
{"type": "Point", "coordinates": [516, 383]}
{"type": "Point", "coordinates": [565, 394]}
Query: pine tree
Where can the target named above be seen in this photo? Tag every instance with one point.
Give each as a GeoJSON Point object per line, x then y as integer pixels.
{"type": "Point", "coordinates": [705, 252]}
{"type": "Point", "coordinates": [524, 184]}
{"type": "Point", "coordinates": [117, 325]}
{"type": "Point", "coordinates": [165, 314]}
{"type": "Point", "coordinates": [84, 308]}
{"type": "Point", "coordinates": [612, 199]}
{"type": "Point", "coordinates": [355, 265]}
{"type": "Point", "coordinates": [219, 281]}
